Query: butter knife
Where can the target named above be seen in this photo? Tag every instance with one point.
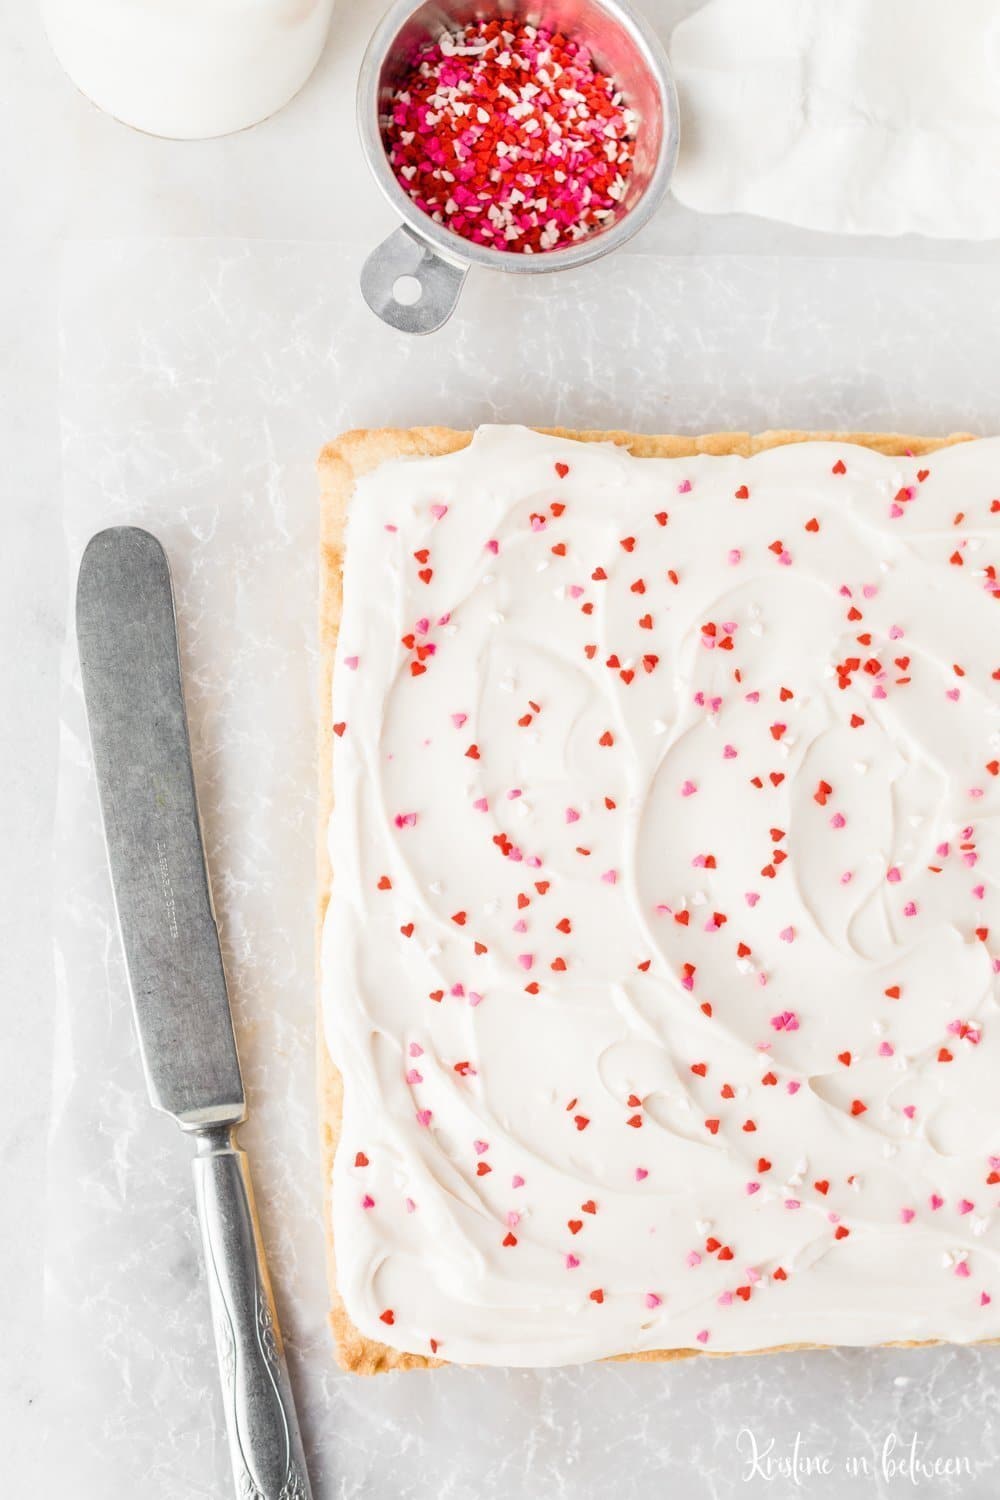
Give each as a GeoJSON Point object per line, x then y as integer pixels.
{"type": "Point", "coordinates": [127, 638]}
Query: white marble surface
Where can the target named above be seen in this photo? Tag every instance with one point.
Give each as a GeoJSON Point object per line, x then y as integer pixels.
{"type": "Point", "coordinates": [68, 173]}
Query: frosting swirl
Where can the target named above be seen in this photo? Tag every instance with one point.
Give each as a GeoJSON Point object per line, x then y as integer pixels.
{"type": "Point", "coordinates": [659, 962]}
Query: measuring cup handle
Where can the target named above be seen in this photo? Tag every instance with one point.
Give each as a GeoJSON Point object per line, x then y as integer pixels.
{"type": "Point", "coordinates": [404, 254]}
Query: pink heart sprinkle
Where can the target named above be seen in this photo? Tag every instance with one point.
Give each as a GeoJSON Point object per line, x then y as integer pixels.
{"type": "Point", "coordinates": [964, 1206]}
{"type": "Point", "coordinates": [641, 1174]}
{"type": "Point", "coordinates": [793, 1086]}
{"type": "Point", "coordinates": [735, 556]}
{"type": "Point", "coordinates": [688, 789]}
{"type": "Point", "coordinates": [513, 1220]}
{"type": "Point", "coordinates": [520, 925]}
{"type": "Point", "coordinates": [792, 1203]}
{"type": "Point", "coordinates": [702, 1335]}
{"type": "Point", "coordinates": [962, 1268]}
{"type": "Point", "coordinates": [985, 1299]}
{"type": "Point", "coordinates": [574, 590]}
{"type": "Point", "coordinates": [869, 590]}
{"type": "Point", "coordinates": [416, 1050]}
{"type": "Point", "coordinates": [572, 1261]}
{"type": "Point", "coordinates": [753, 1187]}
{"type": "Point", "coordinates": [493, 547]}
{"type": "Point", "coordinates": [439, 511]}
{"type": "Point", "coordinates": [910, 909]}
{"type": "Point", "coordinates": [351, 663]}
{"type": "Point", "coordinates": [572, 816]}
{"type": "Point", "coordinates": [480, 1147]}
{"type": "Point", "coordinates": [693, 1258]}
{"type": "Point", "coordinates": [751, 898]}
{"type": "Point", "coordinates": [474, 998]}
{"type": "Point", "coordinates": [411, 1207]}
{"type": "Point", "coordinates": [936, 1201]}
{"type": "Point", "coordinates": [895, 633]}
{"type": "Point", "coordinates": [423, 1116]}
{"type": "Point", "coordinates": [414, 1077]}
{"type": "Point", "coordinates": [907, 1215]}
{"type": "Point", "coordinates": [787, 934]}
{"type": "Point", "coordinates": [886, 1049]}
{"type": "Point", "coordinates": [368, 1201]}
{"type": "Point", "coordinates": [609, 877]}
{"type": "Point", "coordinates": [525, 960]}
{"type": "Point", "coordinates": [481, 804]}
{"type": "Point", "coordinates": [652, 1300]}
{"type": "Point", "coordinates": [459, 719]}
{"type": "Point", "coordinates": [684, 488]}
{"type": "Point", "coordinates": [517, 1180]}
{"type": "Point", "coordinates": [838, 821]}
{"type": "Point", "coordinates": [729, 752]}
{"type": "Point", "coordinates": [726, 1300]}
{"type": "Point", "coordinates": [909, 1110]}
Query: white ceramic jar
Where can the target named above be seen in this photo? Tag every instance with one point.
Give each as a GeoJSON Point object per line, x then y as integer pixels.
{"type": "Point", "coordinates": [188, 69]}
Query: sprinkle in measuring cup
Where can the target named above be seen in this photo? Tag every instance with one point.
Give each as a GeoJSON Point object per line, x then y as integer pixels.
{"type": "Point", "coordinates": [511, 137]}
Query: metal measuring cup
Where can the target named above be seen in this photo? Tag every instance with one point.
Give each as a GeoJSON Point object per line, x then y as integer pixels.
{"type": "Point", "coordinates": [436, 258]}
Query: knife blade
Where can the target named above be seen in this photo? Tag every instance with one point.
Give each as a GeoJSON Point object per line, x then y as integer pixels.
{"type": "Point", "coordinates": [131, 673]}
{"type": "Point", "coordinates": [130, 664]}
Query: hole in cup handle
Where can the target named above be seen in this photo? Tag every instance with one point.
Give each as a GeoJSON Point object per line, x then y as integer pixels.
{"type": "Point", "coordinates": [402, 258]}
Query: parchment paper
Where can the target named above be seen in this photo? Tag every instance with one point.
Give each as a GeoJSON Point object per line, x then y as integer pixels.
{"type": "Point", "coordinates": [198, 381]}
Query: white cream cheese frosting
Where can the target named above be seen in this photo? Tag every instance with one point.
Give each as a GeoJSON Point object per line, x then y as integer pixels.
{"type": "Point", "coordinates": [660, 959]}
{"type": "Point", "coordinates": [864, 117]}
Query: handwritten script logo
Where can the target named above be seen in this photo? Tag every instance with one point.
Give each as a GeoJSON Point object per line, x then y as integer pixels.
{"type": "Point", "coordinates": [893, 1459]}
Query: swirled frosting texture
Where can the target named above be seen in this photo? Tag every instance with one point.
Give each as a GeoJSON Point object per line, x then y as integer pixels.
{"type": "Point", "coordinates": [659, 965]}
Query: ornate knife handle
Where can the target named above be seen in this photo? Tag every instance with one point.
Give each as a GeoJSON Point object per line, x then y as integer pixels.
{"type": "Point", "coordinates": [264, 1441]}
